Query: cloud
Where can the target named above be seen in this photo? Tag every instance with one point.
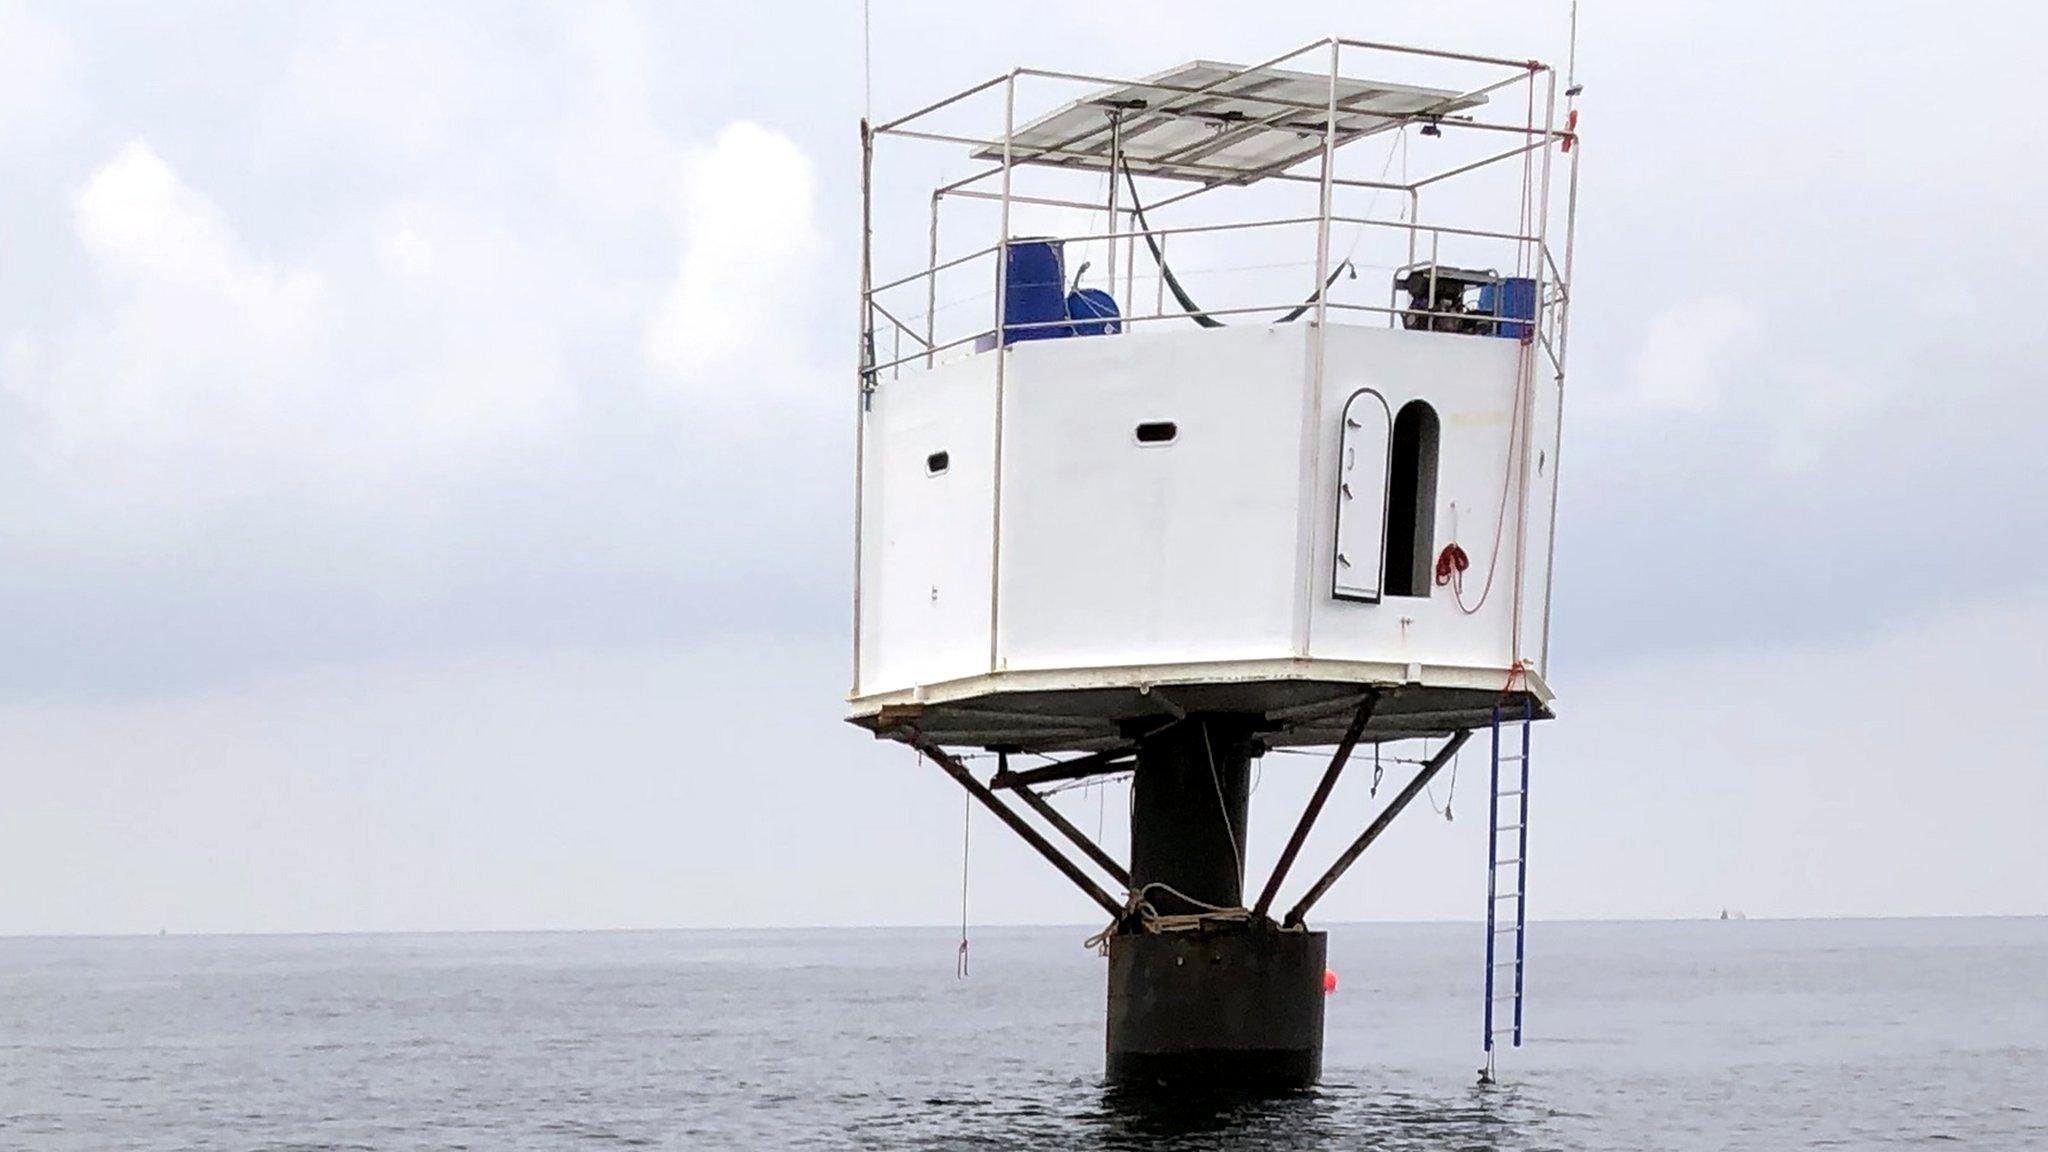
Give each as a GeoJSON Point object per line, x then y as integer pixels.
{"type": "Point", "coordinates": [1682, 365]}
{"type": "Point", "coordinates": [211, 372]}
{"type": "Point", "coordinates": [354, 392]}
{"type": "Point", "coordinates": [203, 338]}
{"type": "Point", "coordinates": [480, 318]}
{"type": "Point", "coordinates": [40, 102]}
{"type": "Point", "coordinates": [751, 252]}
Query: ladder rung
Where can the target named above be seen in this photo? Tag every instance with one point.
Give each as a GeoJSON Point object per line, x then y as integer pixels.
{"type": "Point", "coordinates": [1508, 998]}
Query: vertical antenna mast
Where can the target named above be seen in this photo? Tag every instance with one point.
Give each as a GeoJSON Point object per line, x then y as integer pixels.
{"type": "Point", "coordinates": [867, 64]}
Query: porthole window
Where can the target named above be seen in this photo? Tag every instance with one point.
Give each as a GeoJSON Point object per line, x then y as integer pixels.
{"type": "Point", "coordinates": [937, 463]}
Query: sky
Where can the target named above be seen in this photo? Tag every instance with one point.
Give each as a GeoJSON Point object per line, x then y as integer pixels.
{"type": "Point", "coordinates": [426, 449]}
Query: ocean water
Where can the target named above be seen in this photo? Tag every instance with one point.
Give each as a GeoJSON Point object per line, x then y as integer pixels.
{"type": "Point", "coordinates": [1670, 1036]}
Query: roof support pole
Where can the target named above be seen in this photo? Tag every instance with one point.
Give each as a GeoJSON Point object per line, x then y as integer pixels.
{"type": "Point", "coordinates": [1315, 805]}
{"type": "Point", "coordinates": [1323, 213]}
{"type": "Point", "coordinates": [1116, 160]}
{"type": "Point", "coordinates": [1526, 386]}
{"type": "Point", "coordinates": [1350, 856]}
{"type": "Point", "coordinates": [1564, 335]}
{"type": "Point", "coordinates": [931, 287]}
{"type": "Point", "coordinates": [1018, 824]}
{"type": "Point", "coordinates": [1312, 403]}
{"type": "Point", "coordinates": [995, 535]}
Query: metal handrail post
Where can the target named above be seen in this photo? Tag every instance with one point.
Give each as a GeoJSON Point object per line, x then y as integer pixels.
{"type": "Point", "coordinates": [1159, 288]}
{"type": "Point", "coordinates": [1525, 386]}
{"type": "Point", "coordinates": [995, 536]}
{"type": "Point", "coordinates": [1571, 220]}
{"type": "Point", "coordinates": [1312, 422]}
{"type": "Point", "coordinates": [931, 287]}
{"type": "Point", "coordinates": [1116, 152]}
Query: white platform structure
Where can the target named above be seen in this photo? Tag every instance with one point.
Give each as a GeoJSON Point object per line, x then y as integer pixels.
{"type": "Point", "coordinates": [1243, 505]}
{"type": "Point", "coordinates": [1313, 502]}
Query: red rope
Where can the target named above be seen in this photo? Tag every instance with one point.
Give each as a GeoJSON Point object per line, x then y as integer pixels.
{"type": "Point", "coordinates": [1450, 567]}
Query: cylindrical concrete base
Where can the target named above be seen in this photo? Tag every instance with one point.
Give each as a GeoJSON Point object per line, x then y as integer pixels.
{"type": "Point", "coordinates": [1239, 1010]}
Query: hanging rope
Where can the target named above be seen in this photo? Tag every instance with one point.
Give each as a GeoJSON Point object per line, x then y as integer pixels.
{"type": "Point", "coordinates": [966, 829]}
{"type": "Point", "coordinates": [1452, 562]}
{"type": "Point", "coordinates": [1452, 791]}
{"type": "Point", "coordinates": [1148, 919]}
{"type": "Point", "coordinates": [1229, 833]}
{"type": "Point", "coordinates": [1101, 808]}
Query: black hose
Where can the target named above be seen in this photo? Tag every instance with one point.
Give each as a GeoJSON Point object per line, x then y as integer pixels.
{"type": "Point", "coordinates": [1180, 294]}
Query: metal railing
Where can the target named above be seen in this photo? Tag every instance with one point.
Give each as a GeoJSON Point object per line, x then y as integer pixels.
{"type": "Point", "coordinates": [1528, 243]}
{"type": "Point", "coordinates": [1420, 238]}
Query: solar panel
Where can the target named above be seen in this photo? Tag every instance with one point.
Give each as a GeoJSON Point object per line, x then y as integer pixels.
{"type": "Point", "coordinates": [1218, 123]}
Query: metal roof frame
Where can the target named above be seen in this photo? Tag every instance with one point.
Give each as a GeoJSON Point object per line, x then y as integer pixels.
{"type": "Point", "coordinates": [1212, 122]}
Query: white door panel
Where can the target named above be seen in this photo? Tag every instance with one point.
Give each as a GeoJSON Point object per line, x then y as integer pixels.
{"type": "Point", "coordinates": [1362, 461]}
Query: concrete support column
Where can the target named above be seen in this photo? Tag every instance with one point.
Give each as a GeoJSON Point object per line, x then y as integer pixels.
{"type": "Point", "coordinates": [1227, 1005]}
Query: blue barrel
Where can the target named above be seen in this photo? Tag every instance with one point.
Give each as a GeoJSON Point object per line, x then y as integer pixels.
{"type": "Point", "coordinates": [1035, 291]}
{"type": "Point", "coordinates": [1093, 312]}
{"type": "Point", "coordinates": [1512, 299]}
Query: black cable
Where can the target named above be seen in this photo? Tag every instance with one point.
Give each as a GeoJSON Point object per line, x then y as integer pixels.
{"type": "Point", "coordinates": [1180, 294]}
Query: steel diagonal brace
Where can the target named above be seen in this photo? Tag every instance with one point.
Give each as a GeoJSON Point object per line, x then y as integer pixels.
{"type": "Point", "coordinates": [1018, 824]}
{"type": "Point", "coordinates": [1350, 856]}
{"type": "Point", "coordinates": [1359, 720]}
{"type": "Point", "coordinates": [1065, 827]}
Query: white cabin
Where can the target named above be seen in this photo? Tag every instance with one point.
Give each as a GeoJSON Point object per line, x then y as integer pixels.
{"type": "Point", "coordinates": [1060, 537]}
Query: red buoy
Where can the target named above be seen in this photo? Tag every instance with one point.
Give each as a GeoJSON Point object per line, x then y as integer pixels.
{"type": "Point", "coordinates": [1329, 981]}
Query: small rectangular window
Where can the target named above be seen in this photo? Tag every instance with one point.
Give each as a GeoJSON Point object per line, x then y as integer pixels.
{"type": "Point", "coordinates": [1157, 432]}
{"type": "Point", "coordinates": [937, 463]}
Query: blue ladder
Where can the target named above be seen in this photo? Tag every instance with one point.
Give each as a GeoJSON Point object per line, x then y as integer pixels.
{"type": "Point", "coordinates": [1516, 826]}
